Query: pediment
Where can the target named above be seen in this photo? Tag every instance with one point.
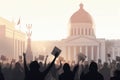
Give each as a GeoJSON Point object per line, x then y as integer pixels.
{"type": "Point", "coordinates": [82, 41]}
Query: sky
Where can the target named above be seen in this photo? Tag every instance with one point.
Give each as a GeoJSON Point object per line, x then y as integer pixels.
{"type": "Point", "coordinates": [49, 18]}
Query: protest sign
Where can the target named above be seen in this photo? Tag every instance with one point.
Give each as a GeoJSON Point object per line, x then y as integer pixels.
{"type": "Point", "coordinates": [56, 51]}
{"type": "Point", "coordinates": [3, 58]}
{"type": "Point", "coordinates": [41, 57]}
{"type": "Point", "coordinates": [81, 57]}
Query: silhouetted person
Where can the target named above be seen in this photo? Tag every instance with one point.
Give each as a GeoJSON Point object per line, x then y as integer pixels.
{"type": "Point", "coordinates": [68, 74]}
{"type": "Point", "coordinates": [54, 71]}
{"type": "Point", "coordinates": [118, 66]}
{"type": "Point", "coordinates": [92, 74]}
{"type": "Point", "coordinates": [99, 64]}
{"type": "Point", "coordinates": [113, 67]}
{"type": "Point", "coordinates": [105, 71]}
{"type": "Point", "coordinates": [116, 75]}
{"type": "Point", "coordinates": [1, 74]}
{"type": "Point", "coordinates": [18, 72]}
{"type": "Point", "coordinates": [33, 72]}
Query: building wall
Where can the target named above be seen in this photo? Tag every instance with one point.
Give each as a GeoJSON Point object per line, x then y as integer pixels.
{"type": "Point", "coordinates": [12, 41]}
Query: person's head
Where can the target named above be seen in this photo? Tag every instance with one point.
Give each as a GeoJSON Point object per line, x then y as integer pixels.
{"type": "Point", "coordinates": [17, 65]}
{"type": "Point", "coordinates": [93, 66]}
{"type": "Point", "coordinates": [118, 66]}
{"type": "Point", "coordinates": [105, 64]}
{"type": "Point", "coordinates": [116, 73]}
{"type": "Point", "coordinates": [34, 66]}
{"type": "Point", "coordinates": [41, 64]}
{"type": "Point", "coordinates": [99, 61]}
{"type": "Point", "coordinates": [66, 67]}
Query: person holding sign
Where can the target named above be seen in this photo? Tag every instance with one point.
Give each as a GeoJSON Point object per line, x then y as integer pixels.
{"type": "Point", "coordinates": [33, 73]}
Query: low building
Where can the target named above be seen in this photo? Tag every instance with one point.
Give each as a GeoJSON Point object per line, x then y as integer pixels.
{"type": "Point", "coordinates": [12, 41]}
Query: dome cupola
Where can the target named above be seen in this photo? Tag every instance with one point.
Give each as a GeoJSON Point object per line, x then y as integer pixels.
{"type": "Point", "coordinates": [81, 23]}
{"type": "Point", "coordinates": [81, 16]}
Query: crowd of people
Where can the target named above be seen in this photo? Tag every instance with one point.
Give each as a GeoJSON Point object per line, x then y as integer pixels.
{"type": "Point", "coordinates": [82, 70]}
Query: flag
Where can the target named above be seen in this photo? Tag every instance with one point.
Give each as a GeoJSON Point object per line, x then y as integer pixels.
{"type": "Point", "coordinates": [18, 22]}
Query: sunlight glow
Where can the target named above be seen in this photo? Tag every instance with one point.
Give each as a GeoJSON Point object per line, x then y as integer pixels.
{"type": "Point", "coordinates": [49, 18]}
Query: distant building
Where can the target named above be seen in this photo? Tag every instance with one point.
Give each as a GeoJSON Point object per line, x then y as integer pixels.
{"type": "Point", "coordinates": [12, 41]}
{"type": "Point", "coordinates": [81, 39]}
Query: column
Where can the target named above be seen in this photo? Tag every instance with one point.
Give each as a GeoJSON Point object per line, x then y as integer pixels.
{"type": "Point", "coordinates": [86, 52]}
{"type": "Point", "coordinates": [80, 31]}
{"type": "Point", "coordinates": [83, 31]}
{"type": "Point", "coordinates": [95, 53]}
{"type": "Point", "coordinates": [75, 56]}
{"type": "Point", "coordinates": [100, 51]}
{"type": "Point", "coordinates": [98, 57]}
{"type": "Point", "coordinates": [89, 53]}
{"type": "Point", "coordinates": [71, 53]}
{"type": "Point", "coordinates": [74, 32]}
{"type": "Point", "coordinates": [92, 54]}
{"type": "Point", "coordinates": [77, 49]}
{"type": "Point", "coordinates": [16, 49]}
{"type": "Point", "coordinates": [19, 47]}
{"type": "Point", "coordinates": [68, 53]}
{"type": "Point", "coordinates": [80, 49]}
{"type": "Point", "coordinates": [77, 31]}
{"type": "Point", "coordinates": [23, 46]}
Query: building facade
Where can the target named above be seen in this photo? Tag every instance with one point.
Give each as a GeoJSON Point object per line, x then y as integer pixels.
{"type": "Point", "coordinates": [82, 39]}
{"type": "Point", "coordinates": [12, 41]}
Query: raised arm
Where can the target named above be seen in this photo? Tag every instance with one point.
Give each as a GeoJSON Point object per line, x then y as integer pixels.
{"type": "Point", "coordinates": [45, 61]}
{"type": "Point", "coordinates": [60, 66]}
{"type": "Point", "coordinates": [25, 65]}
{"type": "Point", "coordinates": [75, 69]}
{"type": "Point", "coordinates": [49, 67]}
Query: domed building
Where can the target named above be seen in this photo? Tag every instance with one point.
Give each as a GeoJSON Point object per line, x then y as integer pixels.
{"type": "Point", "coordinates": [82, 38]}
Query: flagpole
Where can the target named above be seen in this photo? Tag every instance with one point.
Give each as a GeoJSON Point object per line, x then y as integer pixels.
{"type": "Point", "coordinates": [19, 24]}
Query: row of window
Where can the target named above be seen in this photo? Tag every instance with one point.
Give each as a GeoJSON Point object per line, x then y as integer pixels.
{"type": "Point", "coordinates": [82, 31]}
